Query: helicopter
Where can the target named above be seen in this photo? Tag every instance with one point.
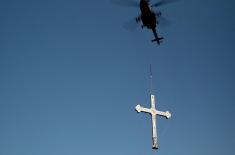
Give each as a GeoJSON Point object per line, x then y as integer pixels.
{"type": "Point", "coordinates": [148, 17]}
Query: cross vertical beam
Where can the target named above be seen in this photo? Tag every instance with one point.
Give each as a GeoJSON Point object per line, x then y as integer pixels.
{"type": "Point", "coordinates": [154, 126]}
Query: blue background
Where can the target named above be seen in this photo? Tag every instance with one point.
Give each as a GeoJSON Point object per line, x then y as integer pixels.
{"type": "Point", "coordinates": [71, 75]}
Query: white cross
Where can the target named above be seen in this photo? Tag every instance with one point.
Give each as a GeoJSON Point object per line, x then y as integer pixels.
{"type": "Point", "coordinates": [153, 112]}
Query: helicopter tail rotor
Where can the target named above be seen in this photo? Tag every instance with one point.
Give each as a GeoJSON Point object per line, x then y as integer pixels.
{"type": "Point", "coordinates": [158, 40]}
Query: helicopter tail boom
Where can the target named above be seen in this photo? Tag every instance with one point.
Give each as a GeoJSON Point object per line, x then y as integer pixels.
{"type": "Point", "coordinates": [157, 39]}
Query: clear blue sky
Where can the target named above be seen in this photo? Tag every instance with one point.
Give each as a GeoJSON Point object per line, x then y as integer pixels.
{"type": "Point", "coordinates": [71, 75]}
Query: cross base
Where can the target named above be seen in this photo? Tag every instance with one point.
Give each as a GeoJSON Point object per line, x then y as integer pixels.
{"type": "Point", "coordinates": [155, 145]}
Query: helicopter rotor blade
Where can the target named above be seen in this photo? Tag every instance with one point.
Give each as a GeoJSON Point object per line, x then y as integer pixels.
{"type": "Point", "coordinates": [163, 22]}
{"type": "Point", "coordinates": [131, 25]}
{"type": "Point", "coordinates": [163, 2]}
{"type": "Point", "coordinates": [127, 3]}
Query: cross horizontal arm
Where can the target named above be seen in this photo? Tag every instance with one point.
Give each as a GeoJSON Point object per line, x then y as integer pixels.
{"type": "Point", "coordinates": [166, 114]}
{"type": "Point", "coordinates": [138, 108]}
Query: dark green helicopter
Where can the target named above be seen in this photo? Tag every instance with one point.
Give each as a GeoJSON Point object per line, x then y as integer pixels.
{"type": "Point", "coordinates": [148, 17]}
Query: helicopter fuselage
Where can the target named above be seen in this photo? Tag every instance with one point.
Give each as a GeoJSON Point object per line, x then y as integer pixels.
{"type": "Point", "coordinates": [148, 17]}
